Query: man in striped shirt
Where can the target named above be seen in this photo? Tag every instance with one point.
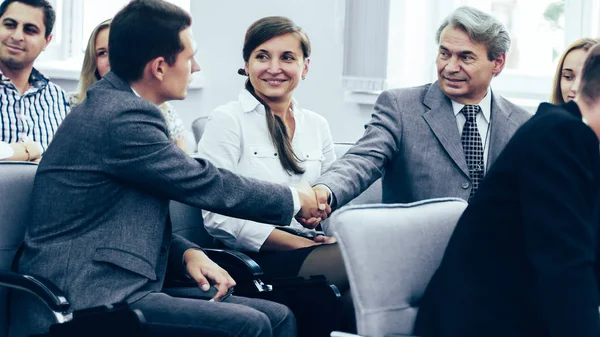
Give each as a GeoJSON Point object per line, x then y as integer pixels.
{"type": "Point", "coordinates": [31, 107]}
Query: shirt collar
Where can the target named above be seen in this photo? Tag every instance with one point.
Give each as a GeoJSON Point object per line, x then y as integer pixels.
{"type": "Point", "coordinates": [135, 92]}
{"type": "Point", "coordinates": [485, 105]}
{"type": "Point", "coordinates": [36, 79]}
{"type": "Point", "coordinates": [250, 103]}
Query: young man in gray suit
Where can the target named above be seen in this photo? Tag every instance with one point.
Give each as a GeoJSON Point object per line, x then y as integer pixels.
{"type": "Point", "coordinates": [439, 139]}
{"type": "Point", "coordinates": [99, 225]}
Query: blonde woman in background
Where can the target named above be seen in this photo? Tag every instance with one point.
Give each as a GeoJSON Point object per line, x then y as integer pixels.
{"type": "Point", "coordinates": [96, 65]}
{"type": "Point", "coordinates": [566, 78]}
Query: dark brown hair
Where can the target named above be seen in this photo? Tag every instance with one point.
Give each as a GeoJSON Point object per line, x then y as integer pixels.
{"type": "Point", "coordinates": [142, 31]}
{"type": "Point", "coordinates": [259, 32]}
{"type": "Point", "coordinates": [590, 78]}
{"type": "Point", "coordinates": [49, 14]}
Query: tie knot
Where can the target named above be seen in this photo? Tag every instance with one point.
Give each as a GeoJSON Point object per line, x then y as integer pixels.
{"type": "Point", "coordinates": [470, 111]}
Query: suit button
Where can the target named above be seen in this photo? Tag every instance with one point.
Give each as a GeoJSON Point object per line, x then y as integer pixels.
{"type": "Point", "coordinates": [163, 250]}
{"type": "Point", "coordinates": [465, 186]}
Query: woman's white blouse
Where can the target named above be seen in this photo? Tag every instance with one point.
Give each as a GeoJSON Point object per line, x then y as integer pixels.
{"type": "Point", "coordinates": [236, 138]}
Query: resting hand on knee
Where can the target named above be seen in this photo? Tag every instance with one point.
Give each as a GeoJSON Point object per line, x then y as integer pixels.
{"type": "Point", "coordinates": [202, 269]}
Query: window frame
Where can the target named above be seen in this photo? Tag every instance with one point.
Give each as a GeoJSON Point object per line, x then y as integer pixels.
{"type": "Point", "coordinates": [63, 58]}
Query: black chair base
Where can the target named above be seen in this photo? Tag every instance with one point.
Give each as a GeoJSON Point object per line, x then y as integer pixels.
{"type": "Point", "coordinates": [314, 301]}
{"type": "Point", "coordinates": [117, 320]}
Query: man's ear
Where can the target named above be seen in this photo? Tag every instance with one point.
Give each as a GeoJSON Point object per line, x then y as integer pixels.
{"type": "Point", "coordinates": [48, 39]}
{"type": "Point", "coordinates": [499, 63]}
{"type": "Point", "coordinates": [158, 67]}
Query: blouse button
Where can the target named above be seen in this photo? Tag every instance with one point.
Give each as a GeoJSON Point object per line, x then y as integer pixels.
{"type": "Point", "coordinates": [275, 154]}
{"type": "Point", "coordinates": [255, 153]}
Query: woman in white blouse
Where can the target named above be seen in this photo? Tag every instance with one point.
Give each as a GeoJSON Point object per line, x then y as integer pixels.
{"type": "Point", "coordinates": [265, 134]}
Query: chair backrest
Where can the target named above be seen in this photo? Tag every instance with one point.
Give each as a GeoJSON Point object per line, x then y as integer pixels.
{"type": "Point", "coordinates": [188, 222]}
{"type": "Point", "coordinates": [16, 183]}
{"type": "Point", "coordinates": [373, 194]}
{"type": "Point", "coordinates": [198, 126]}
{"type": "Point", "coordinates": [391, 252]}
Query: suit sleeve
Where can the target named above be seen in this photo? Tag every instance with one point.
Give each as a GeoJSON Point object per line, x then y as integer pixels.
{"type": "Point", "coordinates": [364, 163]}
{"type": "Point", "coordinates": [139, 152]}
{"type": "Point", "coordinates": [559, 192]}
{"type": "Point", "coordinates": [176, 268]}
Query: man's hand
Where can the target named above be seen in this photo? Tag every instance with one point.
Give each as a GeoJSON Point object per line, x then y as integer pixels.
{"type": "Point", "coordinates": [326, 240]}
{"type": "Point", "coordinates": [202, 269]}
{"type": "Point", "coordinates": [34, 149]}
{"type": "Point", "coordinates": [323, 195]}
{"type": "Point", "coordinates": [312, 212]}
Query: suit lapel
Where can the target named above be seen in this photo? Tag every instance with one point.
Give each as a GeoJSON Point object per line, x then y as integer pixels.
{"type": "Point", "coordinates": [442, 122]}
{"type": "Point", "coordinates": [502, 128]}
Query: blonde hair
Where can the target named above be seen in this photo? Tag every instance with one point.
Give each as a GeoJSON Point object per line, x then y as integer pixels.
{"type": "Point", "coordinates": [583, 43]}
{"type": "Point", "coordinates": [89, 70]}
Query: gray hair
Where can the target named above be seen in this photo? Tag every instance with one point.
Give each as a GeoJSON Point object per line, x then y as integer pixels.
{"type": "Point", "coordinates": [481, 27]}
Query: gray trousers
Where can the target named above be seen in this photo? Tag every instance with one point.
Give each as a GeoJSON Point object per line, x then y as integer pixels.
{"type": "Point", "coordinates": [235, 316]}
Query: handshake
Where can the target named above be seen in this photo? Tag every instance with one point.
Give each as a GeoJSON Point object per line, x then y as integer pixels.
{"type": "Point", "coordinates": [314, 205]}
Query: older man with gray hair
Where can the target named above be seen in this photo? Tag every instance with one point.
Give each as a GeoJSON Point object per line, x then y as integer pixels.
{"type": "Point", "coordinates": [439, 139]}
{"type": "Point", "coordinates": [524, 259]}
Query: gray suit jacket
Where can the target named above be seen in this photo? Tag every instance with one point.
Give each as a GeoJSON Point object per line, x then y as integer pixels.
{"type": "Point", "coordinates": [413, 142]}
{"type": "Point", "coordinates": [99, 219]}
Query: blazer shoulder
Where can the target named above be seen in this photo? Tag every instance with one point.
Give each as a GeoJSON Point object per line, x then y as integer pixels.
{"type": "Point", "coordinates": [516, 112]}
{"type": "Point", "coordinates": [105, 95]}
{"type": "Point", "coordinates": [554, 120]}
{"type": "Point", "coordinates": [412, 97]}
{"type": "Point", "coordinates": [411, 93]}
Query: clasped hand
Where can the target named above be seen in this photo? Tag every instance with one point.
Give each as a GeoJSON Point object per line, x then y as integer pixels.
{"type": "Point", "coordinates": [315, 206]}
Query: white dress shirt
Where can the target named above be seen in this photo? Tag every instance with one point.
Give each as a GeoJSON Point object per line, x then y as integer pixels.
{"type": "Point", "coordinates": [237, 138]}
{"type": "Point", "coordinates": [483, 122]}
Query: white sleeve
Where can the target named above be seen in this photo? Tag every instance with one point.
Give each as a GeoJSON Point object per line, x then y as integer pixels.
{"type": "Point", "coordinates": [221, 145]}
{"type": "Point", "coordinates": [327, 146]}
{"type": "Point", "coordinates": [5, 151]}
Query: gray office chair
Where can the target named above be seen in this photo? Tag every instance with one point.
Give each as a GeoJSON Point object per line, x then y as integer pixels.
{"type": "Point", "coordinates": [391, 252]}
{"type": "Point", "coordinates": [198, 126]}
{"type": "Point", "coordinates": [16, 183]}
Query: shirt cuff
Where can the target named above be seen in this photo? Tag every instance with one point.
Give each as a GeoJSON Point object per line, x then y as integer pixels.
{"type": "Point", "coordinates": [331, 199]}
{"type": "Point", "coordinates": [5, 151]}
{"type": "Point", "coordinates": [297, 205]}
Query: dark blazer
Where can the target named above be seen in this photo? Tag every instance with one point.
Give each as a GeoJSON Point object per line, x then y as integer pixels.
{"type": "Point", "coordinates": [413, 141]}
{"type": "Point", "coordinates": [523, 259]}
{"type": "Point", "coordinates": [99, 219]}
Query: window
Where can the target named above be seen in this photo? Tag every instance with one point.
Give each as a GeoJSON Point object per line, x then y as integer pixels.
{"type": "Point", "coordinates": [75, 20]}
{"type": "Point", "coordinates": [539, 30]}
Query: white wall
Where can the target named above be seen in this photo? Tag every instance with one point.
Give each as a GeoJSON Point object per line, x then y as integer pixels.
{"type": "Point", "coordinates": [219, 28]}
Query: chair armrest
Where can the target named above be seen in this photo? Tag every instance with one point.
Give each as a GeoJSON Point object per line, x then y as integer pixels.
{"type": "Point", "coordinates": [345, 334]}
{"type": "Point", "coordinates": [40, 287]}
{"type": "Point", "coordinates": [232, 259]}
{"type": "Point", "coordinates": [244, 270]}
